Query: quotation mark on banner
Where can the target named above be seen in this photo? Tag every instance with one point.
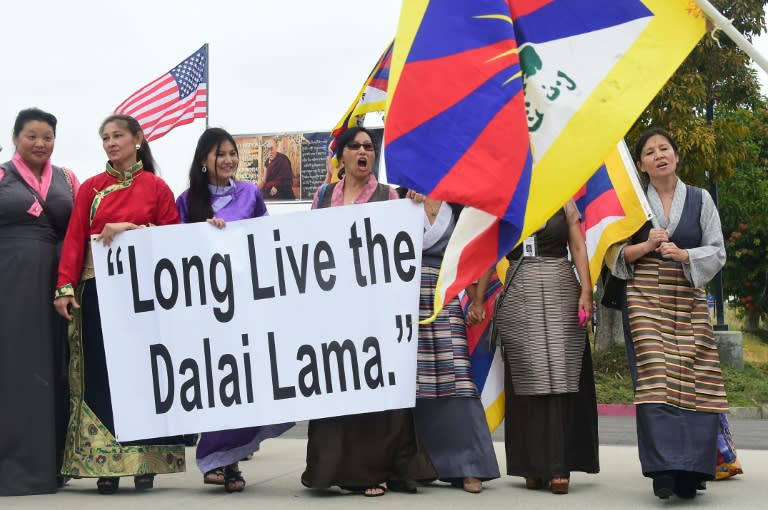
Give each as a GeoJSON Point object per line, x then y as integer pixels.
{"type": "Point", "coordinates": [408, 324]}
{"type": "Point", "coordinates": [110, 266]}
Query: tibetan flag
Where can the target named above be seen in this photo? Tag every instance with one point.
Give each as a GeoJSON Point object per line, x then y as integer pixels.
{"type": "Point", "coordinates": [371, 98]}
{"type": "Point", "coordinates": [612, 205]}
{"type": "Point", "coordinates": [486, 361]}
{"type": "Point", "coordinates": [176, 98]}
{"type": "Point", "coordinates": [465, 76]}
{"type": "Point", "coordinates": [455, 125]}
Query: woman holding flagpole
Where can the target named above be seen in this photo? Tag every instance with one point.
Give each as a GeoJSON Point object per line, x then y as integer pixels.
{"type": "Point", "coordinates": [679, 391]}
{"type": "Point", "coordinates": [372, 452]}
{"type": "Point", "coordinates": [126, 196]}
{"type": "Point", "coordinates": [550, 424]}
{"type": "Point", "coordinates": [215, 196]}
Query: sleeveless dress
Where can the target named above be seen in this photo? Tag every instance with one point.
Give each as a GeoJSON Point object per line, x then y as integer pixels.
{"type": "Point", "coordinates": [33, 346]}
{"type": "Point", "coordinates": [551, 409]}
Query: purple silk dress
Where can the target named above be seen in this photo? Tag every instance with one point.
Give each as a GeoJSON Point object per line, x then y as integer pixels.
{"type": "Point", "coordinates": [238, 201]}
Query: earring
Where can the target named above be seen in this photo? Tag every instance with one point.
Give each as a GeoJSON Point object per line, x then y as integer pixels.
{"type": "Point", "coordinates": [138, 146]}
{"type": "Point", "coordinates": [203, 169]}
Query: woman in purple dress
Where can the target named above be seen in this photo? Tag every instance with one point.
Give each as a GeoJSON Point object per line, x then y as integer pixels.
{"type": "Point", "coordinates": [216, 197]}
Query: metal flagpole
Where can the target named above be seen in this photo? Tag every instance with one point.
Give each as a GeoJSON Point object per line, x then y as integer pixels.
{"type": "Point", "coordinates": [724, 24]}
{"type": "Point", "coordinates": [208, 84]}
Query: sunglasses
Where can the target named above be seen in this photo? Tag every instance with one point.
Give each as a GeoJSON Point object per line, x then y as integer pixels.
{"type": "Point", "coordinates": [355, 145]}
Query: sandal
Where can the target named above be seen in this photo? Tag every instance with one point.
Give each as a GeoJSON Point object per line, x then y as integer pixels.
{"type": "Point", "coordinates": [144, 482]}
{"type": "Point", "coordinates": [233, 480]}
{"type": "Point", "coordinates": [534, 484]}
{"type": "Point", "coordinates": [472, 485]}
{"type": "Point", "coordinates": [559, 485]}
{"type": "Point", "coordinates": [214, 477]}
{"type": "Point", "coordinates": [108, 485]}
{"type": "Point", "coordinates": [371, 491]}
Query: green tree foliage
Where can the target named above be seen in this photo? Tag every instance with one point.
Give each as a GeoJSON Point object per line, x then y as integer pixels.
{"type": "Point", "coordinates": [713, 108]}
{"type": "Point", "coordinates": [713, 78]}
{"type": "Point", "coordinates": [744, 214]}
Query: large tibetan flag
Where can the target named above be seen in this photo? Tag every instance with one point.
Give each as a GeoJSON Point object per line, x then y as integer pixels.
{"type": "Point", "coordinates": [612, 205]}
{"type": "Point", "coordinates": [371, 98]}
{"type": "Point", "coordinates": [509, 106]}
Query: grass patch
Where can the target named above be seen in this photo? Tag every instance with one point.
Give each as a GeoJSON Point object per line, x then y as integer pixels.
{"type": "Point", "coordinates": [745, 388]}
{"type": "Point", "coordinates": [756, 347]}
{"type": "Point", "coordinates": [613, 382]}
{"type": "Point", "coordinates": [748, 387]}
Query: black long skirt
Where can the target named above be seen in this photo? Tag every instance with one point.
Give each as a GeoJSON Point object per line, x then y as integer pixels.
{"type": "Point", "coordinates": [362, 450]}
{"type": "Point", "coordinates": [548, 436]}
{"type": "Point", "coordinates": [91, 447]}
{"type": "Point", "coordinates": [32, 369]}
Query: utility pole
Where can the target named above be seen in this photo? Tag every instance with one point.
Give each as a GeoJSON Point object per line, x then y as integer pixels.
{"type": "Point", "coordinates": [717, 281]}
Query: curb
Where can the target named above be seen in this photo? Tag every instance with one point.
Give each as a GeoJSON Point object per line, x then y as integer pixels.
{"type": "Point", "coordinates": [616, 409]}
{"type": "Point", "coordinates": [739, 413]}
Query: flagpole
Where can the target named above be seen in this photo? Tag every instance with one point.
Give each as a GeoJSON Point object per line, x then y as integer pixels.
{"type": "Point", "coordinates": [724, 24]}
{"type": "Point", "coordinates": [207, 85]}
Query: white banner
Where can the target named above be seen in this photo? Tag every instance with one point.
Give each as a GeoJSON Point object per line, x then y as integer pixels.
{"type": "Point", "coordinates": [269, 320]}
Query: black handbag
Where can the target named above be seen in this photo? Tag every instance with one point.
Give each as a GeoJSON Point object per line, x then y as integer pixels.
{"type": "Point", "coordinates": [614, 290]}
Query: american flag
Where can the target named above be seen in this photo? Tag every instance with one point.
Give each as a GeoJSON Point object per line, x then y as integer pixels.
{"type": "Point", "coordinates": [176, 98]}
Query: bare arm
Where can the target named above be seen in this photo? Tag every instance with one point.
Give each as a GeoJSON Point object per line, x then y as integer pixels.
{"type": "Point", "coordinates": [581, 261]}
{"type": "Point", "coordinates": [476, 311]}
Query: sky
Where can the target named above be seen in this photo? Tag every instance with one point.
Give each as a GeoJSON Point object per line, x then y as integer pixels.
{"type": "Point", "coordinates": [275, 66]}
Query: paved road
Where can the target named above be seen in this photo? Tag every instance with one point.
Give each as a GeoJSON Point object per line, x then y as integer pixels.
{"type": "Point", "coordinates": [273, 483]}
{"type": "Point", "coordinates": [617, 430]}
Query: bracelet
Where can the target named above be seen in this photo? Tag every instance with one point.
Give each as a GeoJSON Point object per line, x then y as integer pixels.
{"type": "Point", "coordinates": [64, 291]}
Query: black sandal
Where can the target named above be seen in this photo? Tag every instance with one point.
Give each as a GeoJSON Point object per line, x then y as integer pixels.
{"type": "Point", "coordinates": [144, 482]}
{"type": "Point", "coordinates": [233, 480]}
{"type": "Point", "coordinates": [108, 485]}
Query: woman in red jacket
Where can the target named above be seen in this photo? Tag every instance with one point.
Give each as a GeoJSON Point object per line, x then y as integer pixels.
{"type": "Point", "coordinates": [126, 196]}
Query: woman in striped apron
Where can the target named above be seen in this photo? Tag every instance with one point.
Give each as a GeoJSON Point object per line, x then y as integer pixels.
{"type": "Point", "coordinates": [550, 424]}
{"type": "Point", "coordinates": [679, 392]}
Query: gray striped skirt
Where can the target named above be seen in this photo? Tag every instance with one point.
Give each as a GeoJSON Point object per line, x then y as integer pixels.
{"type": "Point", "coordinates": [537, 321]}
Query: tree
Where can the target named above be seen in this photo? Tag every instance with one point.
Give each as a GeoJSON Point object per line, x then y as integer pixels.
{"type": "Point", "coordinates": [712, 82]}
{"type": "Point", "coordinates": [743, 206]}
{"type": "Point", "coordinates": [713, 108]}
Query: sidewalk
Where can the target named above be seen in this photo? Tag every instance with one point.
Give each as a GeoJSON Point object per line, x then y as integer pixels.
{"type": "Point", "coordinates": [273, 483]}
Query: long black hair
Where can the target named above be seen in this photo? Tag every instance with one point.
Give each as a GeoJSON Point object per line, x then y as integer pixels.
{"type": "Point", "coordinates": [144, 154]}
{"type": "Point", "coordinates": [199, 195]}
